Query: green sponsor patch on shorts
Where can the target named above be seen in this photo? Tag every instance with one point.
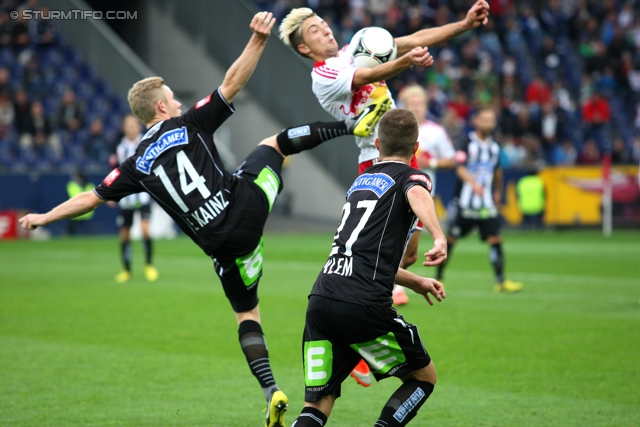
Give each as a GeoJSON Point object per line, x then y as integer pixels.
{"type": "Point", "coordinates": [268, 181]}
{"type": "Point", "coordinates": [382, 354]}
{"type": "Point", "coordinates": [318, 362]}
{"type": "Point", "coordinates": [250, 265]}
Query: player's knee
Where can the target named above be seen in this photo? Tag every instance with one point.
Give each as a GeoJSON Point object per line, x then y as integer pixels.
{"type": "Point", "coordinates": [425, 374]}
{"type": "Point", "coordinates": [324, 405]}
{"type": "Point", "coordinates": [273, 142]}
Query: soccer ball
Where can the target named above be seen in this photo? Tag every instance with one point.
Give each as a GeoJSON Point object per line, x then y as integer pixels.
{"type": "Point", "coordinates": [372, 46]}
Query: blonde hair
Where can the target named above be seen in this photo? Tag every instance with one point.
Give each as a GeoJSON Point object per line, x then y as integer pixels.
{"type": "Point", "coordinates": [291, 27]}
{"type": "Point", "coordinates": [143, 97]}
{"type": "Point", "coordinates": [412, 90]}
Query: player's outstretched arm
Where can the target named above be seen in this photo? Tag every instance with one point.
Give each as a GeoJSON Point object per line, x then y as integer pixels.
{"type": "Point", "coordinates": [241, 70]}
{"type": "Point", "coordinates": [76, 206]}
{"type": "Point", "coordinates": [424, 208]}
{"type": "Point", "coordinates": [476, 16]}
{"type": "Point", "coordinates": [419, 56]}
{"type": "Point", "coordinates": [421, 285]}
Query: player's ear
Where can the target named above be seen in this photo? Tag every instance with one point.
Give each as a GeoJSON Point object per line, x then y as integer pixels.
{"type": "Point", "coordinates": [304, 49]}
{"type": "Point", "coordinates": [415, 147]}
{"type": "Point", "coordinates": [377, 143]}
{"type": "Point", "coordinates": [160, 106]}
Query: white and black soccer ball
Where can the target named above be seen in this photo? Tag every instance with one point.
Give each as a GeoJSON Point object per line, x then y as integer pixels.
{"type": "Point", "coordinates": [372, 46]}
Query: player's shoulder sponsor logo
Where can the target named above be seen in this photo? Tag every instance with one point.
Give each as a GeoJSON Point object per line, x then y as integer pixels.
{"type": "Point", "coordinates": [379, 183]}
{"type": "Point", "coordinates": [166, 141]}
{"type": "Point", "coordinates": [423, 178]}
{"type": "Point", "coordinates": [108, 180]}
{"type": "Point", "coordinates": [204, 101]}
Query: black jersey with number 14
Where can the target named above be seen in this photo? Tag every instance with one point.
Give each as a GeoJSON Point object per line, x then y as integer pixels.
{"type": "Point", "coordinates": [178, 164]}
{"type": "Point", "coordinates": [372, 236]}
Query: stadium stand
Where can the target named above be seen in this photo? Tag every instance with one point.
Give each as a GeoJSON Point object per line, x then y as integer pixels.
{"type": "Point", "coordinates": [54, 96]}
{"type": "Point", "coordinates": [558, 71]}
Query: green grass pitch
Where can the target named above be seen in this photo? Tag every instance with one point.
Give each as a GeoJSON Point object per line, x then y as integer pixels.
{"type": "Point", "coordinates": [77, 349]}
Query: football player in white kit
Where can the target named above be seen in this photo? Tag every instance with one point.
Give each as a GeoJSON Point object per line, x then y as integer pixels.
{"type": "Point", "coordinates": [435, 151]}
{"type": "Point", "coordinates": [344, 90]}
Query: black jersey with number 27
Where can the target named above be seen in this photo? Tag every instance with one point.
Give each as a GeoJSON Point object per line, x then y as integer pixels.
{"type": "Point", "coordinates": [178, 164]}
{"type": "Point", "coordinates": [372, 236]}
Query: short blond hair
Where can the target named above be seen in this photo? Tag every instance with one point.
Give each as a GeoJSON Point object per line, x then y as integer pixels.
{"type": "Point", "coordinates": [291, 27]}
{"type": "Point", "coordinates": [143, 97]}
{"type": "Point", "coordinates": [412, 90]}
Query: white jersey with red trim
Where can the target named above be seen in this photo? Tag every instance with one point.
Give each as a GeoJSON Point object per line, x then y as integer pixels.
{"type": "Point", "coordinates": [332, 85]}
{"type": "Point", "coordinates": [434, 143]}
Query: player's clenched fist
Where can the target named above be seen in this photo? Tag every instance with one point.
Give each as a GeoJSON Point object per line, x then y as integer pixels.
{"type": "Point", "coordinates": [262, 23]}
{"type": "Point", "coordinates": [421, 56]}
{"type": "Point", "coordinates": [478, 14]}
{"type": "Point", "coordinates": [30, 221]}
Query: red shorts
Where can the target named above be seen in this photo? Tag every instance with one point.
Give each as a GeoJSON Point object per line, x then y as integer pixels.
{"type": "Point", "coordinates": [414, 164]}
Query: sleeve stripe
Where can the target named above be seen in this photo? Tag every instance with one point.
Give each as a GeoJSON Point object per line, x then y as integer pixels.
{"type": "Point", "coordinates": [326, 75]}
{"type": "Point", "coordinates": [326, 70]}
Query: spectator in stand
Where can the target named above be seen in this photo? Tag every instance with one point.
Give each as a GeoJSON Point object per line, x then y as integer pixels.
{"type": "Point", "coordinates": [620, 154]}
{"type": "Point", "coordinates": [6, 28]}
{"type": "Point", "coordinates": [554, 21]}
{"type": "Point", "coordinates": [40, 137]}
{"type": "Point", "coordinates": [7, 114]}
{"type": "Point", "coordinates": [460, 105]}
{"type": "Point", "coordinates": [550, 59]}
{"type": "Point", "coordinates": [20, 39]}
{"type": "Point", "coordinates": [22, 108]}
{"type": "Point", "coordinates": [524, 124]}
{"type": "Point", "coordinates": [33, 79]}
{"type": "Point", "coordinates": [45, 32]}
{"type": "Point", "coordinates": [596, 114]}
{"type": "Point", "coordinates": [538, 92]}
{"type": "Point", "coordinates": [97, 148]}
{"type": "Point", "coordinates": [533, 155]}
{"type": "Point", "coordinates": [590, 154]}
{"type": "Point", "coordinates": [71, 113]}
{"type": "Point", "coordinates": [551, 128]}
{"type": "Point", "coordinates": [5, 82]}
{"type": "Point", "coordinates": [578, 20]}
{"type": "Point", "coordinates": [591, 48]}
{"type": "Point", "coordinates": [564, 154]}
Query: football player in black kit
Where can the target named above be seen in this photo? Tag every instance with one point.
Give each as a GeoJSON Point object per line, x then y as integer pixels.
{"type": "Point", "coordinates": [350, 315]}
{"type": "Point", "coordinates": [178, 164]}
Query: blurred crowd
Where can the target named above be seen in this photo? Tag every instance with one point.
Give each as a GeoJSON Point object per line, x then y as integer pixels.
{"type": "Point", "coordinates": [564, 75]}
{"type": "Point", "coordinates": [55, 112]}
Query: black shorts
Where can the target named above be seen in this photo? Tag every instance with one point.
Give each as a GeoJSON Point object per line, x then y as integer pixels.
{"type": "Point", "coordinates": [125, 216]}
{"type": "Point", "coordinates": [461, 226]}
{"type": "Point", "coordinates": [240, 268]}
{"type": "Point", "coordinates": [338, 334]}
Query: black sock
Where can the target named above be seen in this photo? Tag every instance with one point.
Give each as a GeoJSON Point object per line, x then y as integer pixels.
{"type": "Point", "coordinates": [310, 417]}
{"type": "Point", "coordinates": [404, 403]}
{"type": "Point", "coordinates": [125, 251]}
{"type": "Point", "coordinates": [497, 260]}
{"type": "Point", "coordinates": [254, 347]}
{"type": "Point", "coordinates": [305, 137]}
{"type": "Point", "coordinates": [440, 270]}
{"type": "Point", "coordinates": [148, 250]}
